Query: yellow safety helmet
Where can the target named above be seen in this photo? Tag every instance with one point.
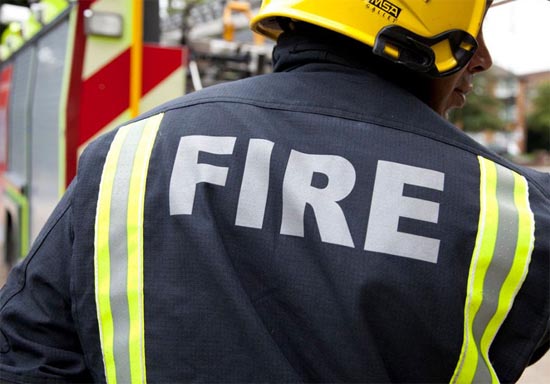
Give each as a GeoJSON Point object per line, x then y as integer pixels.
{"type": "Point", "coordinates": [436, 37]}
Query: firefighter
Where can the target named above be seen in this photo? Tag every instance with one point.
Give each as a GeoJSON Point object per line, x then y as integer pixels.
{"type": "Point", "coordinates": [321, 223]}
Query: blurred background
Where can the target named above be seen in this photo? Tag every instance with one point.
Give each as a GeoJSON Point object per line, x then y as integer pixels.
{"type": "Point", "coordinates": [72, 70]}
{"type": "Point", "coordinates": [509, 110]}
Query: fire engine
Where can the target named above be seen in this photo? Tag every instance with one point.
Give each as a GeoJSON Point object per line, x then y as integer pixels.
{"type": "Point", "coordinates": [80, 74]}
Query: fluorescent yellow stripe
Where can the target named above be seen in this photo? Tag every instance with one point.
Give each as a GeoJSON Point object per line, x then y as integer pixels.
{"type": "Point", "coordinates": [486, 255]}
{"type": "Point", "coordinates": [136, 201]}
{"type": "Point", "coordinates": [526, 235]}
{"type": "Point", "coordinates": [483, 253]}
{"type": "Point", "coordinates": [503, 193]}
{"type": "Point", "coordinates": [102, 256]}
{"type": "Point", "coordinates": [519, 269]}
{"type": "Point", "coordinates": [136, 57]}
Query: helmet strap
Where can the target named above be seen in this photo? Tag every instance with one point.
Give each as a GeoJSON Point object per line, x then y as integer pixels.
{"type": "Point", "coordinates": [415, 51]}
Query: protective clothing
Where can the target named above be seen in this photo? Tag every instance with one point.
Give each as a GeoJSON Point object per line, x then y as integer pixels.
{"type": "Point", "coordinates": [435, 37]}
{"type": "Point", "coordinates": [316, 224]}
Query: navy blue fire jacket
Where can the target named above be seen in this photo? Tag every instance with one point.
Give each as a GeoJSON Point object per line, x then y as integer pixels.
{"type": "Point", "coordinates": [317, 224]}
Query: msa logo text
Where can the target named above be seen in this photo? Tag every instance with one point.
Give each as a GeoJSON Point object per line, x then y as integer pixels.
{"type": "Point", "coordinates": [386, 6]}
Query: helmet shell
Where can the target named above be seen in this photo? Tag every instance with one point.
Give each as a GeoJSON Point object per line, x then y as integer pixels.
{"type": "Point", "coordinates": [445, 27]}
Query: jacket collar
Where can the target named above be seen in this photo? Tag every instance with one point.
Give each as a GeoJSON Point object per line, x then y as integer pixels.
{"type": "Point", "coordinates": [295, 50]}
{"type": "Point", "coordinates": [313, 49]}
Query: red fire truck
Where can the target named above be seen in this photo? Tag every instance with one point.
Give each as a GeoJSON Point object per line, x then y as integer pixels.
{"type": "Point", "coordinates": [82, 74]}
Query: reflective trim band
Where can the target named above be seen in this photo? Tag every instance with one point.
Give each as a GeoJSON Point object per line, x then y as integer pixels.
{"type": "Point", "coordinates": [500, 263]}
{"type": "Point", "coordinates": [102, 257]}
{"type": "Point", "coordinates": [136, 203]}
{"type": "Point", "coordinates": [118, 255]}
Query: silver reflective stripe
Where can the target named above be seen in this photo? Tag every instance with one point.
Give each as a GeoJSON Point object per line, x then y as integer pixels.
{"type": "Point", "coordinates": [118, 244]}
{"type": "Point", "coordinates": [499, 266]}
{"type": "Point", "coordinates": [505, 247]}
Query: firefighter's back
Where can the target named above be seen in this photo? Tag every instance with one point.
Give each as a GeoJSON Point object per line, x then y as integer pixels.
{"type": "Point", "coordinates": [245, 234]}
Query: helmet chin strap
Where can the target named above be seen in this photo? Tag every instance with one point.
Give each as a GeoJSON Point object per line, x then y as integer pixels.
{"type": "Point", "coordinates": [415, 52]}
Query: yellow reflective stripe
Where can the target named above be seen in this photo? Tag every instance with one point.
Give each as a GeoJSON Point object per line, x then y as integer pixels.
{"type": "Point", "coordinates": [136, 200]}
{"type": "Point", "coordinates": [486, 255]}
{"type": "Point", "coordinates": [119, 251]}
{"type": "Point", "coordinates": [506, 227]}
{"type": "Point", "coordinates": [102, 256]}
{"type": "Point", "coordinates": [526, 235]}
{"type": "Point", "coordinates": [483, 250]}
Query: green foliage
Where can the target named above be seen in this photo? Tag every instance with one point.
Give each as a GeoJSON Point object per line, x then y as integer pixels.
{"type": "Point", "coordinates": [482, 110]}
{"type": "Point", "coordinates": [538, 121]}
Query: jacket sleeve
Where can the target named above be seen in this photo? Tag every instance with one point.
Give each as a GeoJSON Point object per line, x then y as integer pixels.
{"type": "Point", "coordinates": [542, 348]}
{"type": "Point", "coordinates": [38, 338]}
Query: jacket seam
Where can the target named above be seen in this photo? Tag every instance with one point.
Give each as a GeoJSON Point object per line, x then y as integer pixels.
{"type": "Point", "coordinates": [257, 315]}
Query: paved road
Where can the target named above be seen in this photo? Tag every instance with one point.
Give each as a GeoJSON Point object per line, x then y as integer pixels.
{"type": "Point", "coordinates": [538, 373]}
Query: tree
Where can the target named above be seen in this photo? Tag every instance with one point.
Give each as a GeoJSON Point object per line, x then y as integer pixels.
{"type": "Point", "coordinates": [538, 121]}
{"type": "Point", "coordinates": [482, 110]}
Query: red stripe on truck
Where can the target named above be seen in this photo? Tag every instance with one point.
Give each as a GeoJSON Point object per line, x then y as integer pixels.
{"type": "Point", "coordinates": [105, 95]}
{"type": "Point", "coordinates": [158, 64]}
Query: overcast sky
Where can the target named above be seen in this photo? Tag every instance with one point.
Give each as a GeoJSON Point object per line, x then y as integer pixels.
{"type": "Point", "coordinates": [518, 35]}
